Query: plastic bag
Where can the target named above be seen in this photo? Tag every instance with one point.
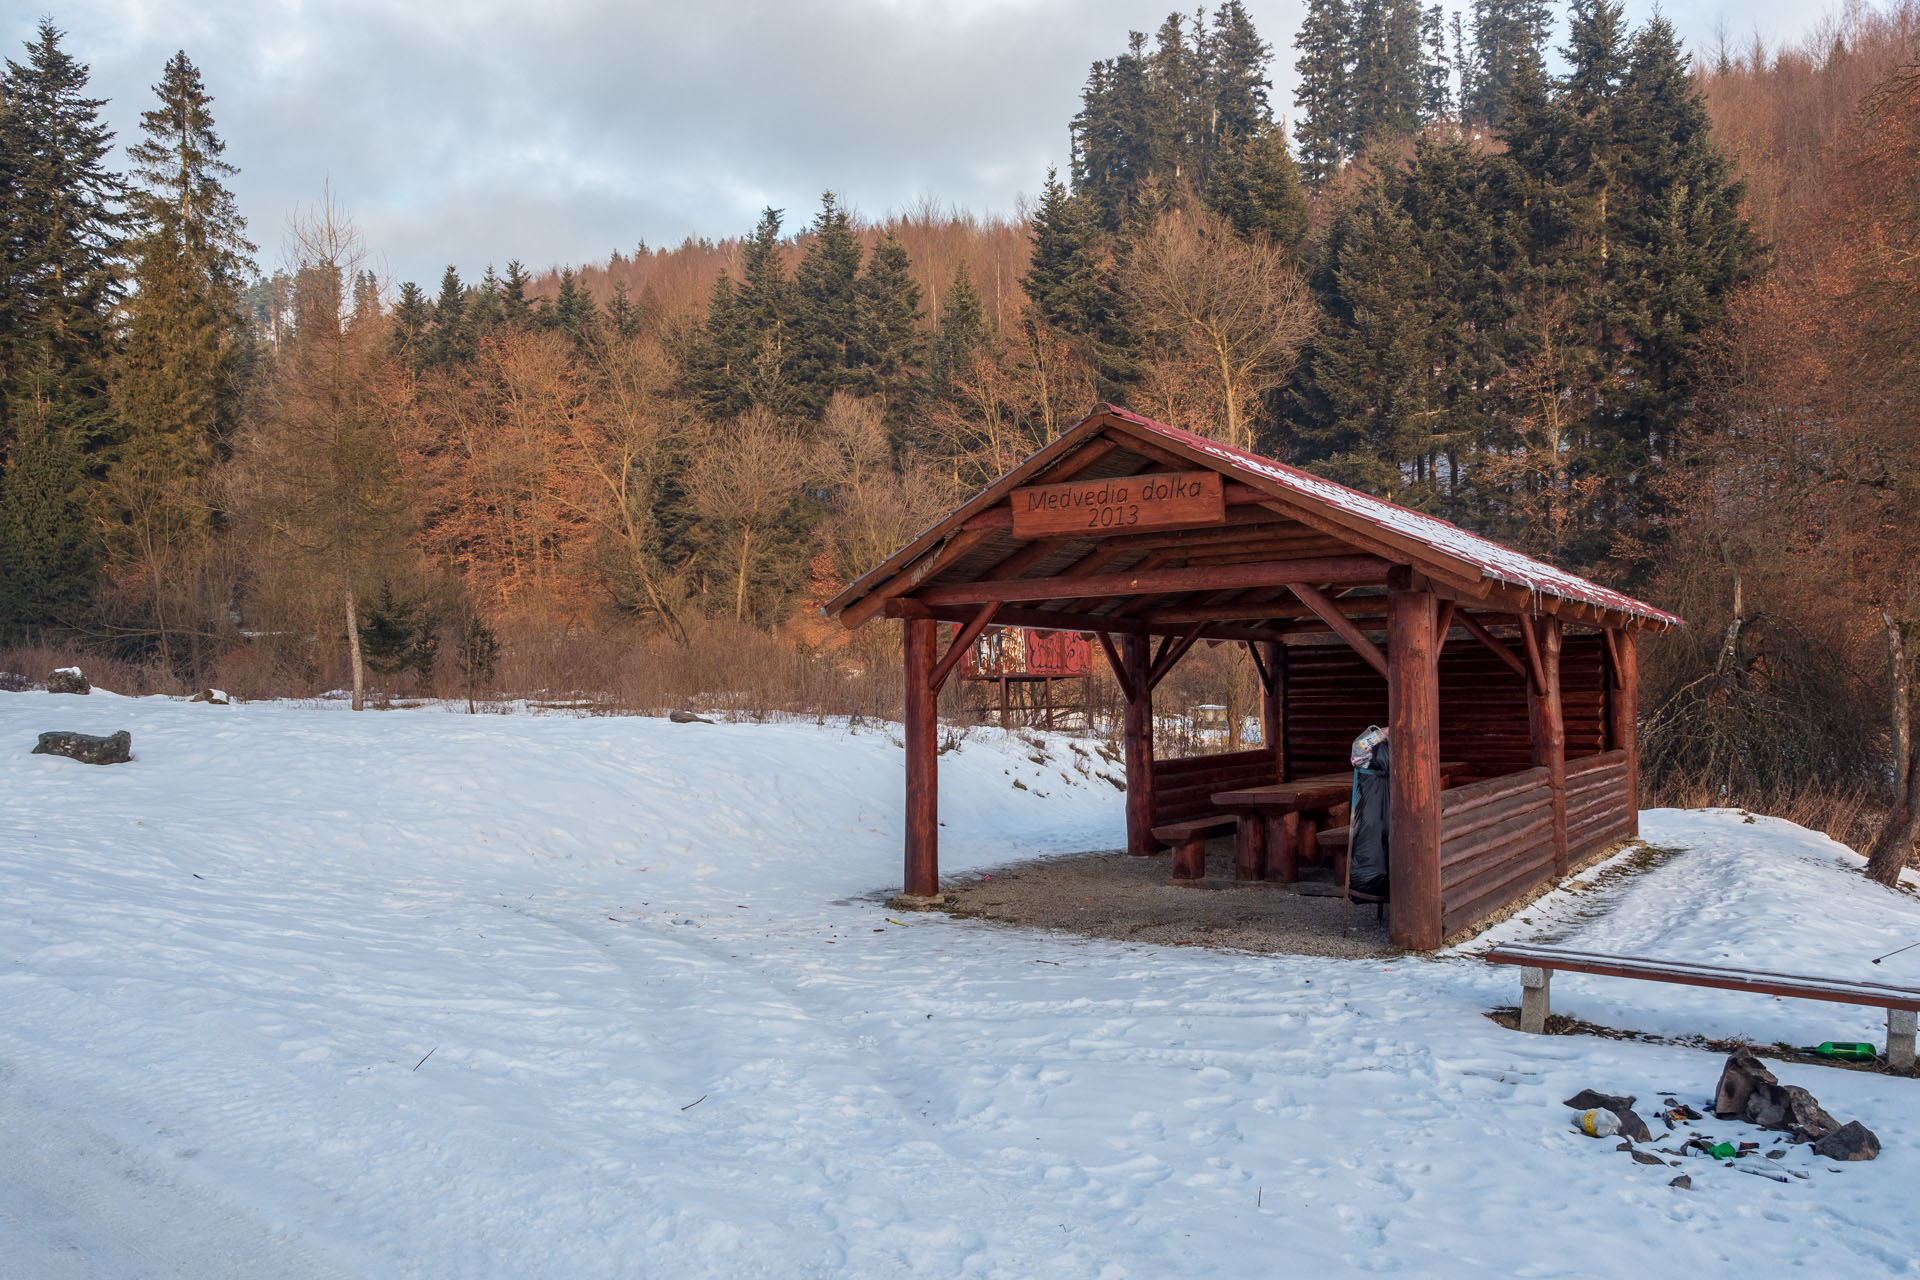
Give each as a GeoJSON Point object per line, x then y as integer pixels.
{"type": "Point", "coordinates": [1372, 797]}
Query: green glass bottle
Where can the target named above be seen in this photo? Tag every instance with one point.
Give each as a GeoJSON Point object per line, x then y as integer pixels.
{"type": "Point", "coordinates": [1846, 1051]}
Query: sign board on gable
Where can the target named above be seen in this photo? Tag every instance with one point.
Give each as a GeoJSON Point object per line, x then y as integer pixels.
{"type": "Point", "coordinates": [1125, 504]}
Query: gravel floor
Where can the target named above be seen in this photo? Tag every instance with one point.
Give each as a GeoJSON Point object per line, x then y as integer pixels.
{"type": "Point", "coordinates": [1112, 895]}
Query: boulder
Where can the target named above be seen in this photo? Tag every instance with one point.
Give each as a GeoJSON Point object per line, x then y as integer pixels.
{"type": "Point", "coordinates": [217, 697]}
{"type": "Point", "coordinates": [1739, 1078]}
{"type": "Point", "coordinates": [14, 682]}
{"type": "Point", "coordinates": [1748, 1091]}
{"type": "Point", "coordinates": [68, 680]}
{"type": "Point", "coordinates": [687, 717]}
{"type": "Point", "coordinates": [1851, 1141]}
{"type": "Point", "coordinates": [116, 748]}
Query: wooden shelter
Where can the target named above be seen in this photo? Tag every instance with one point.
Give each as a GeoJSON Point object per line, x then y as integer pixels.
{"type": "Point", "coordinates": [1356, 612]}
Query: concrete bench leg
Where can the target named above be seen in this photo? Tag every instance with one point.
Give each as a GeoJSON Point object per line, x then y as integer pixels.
{"type": "Point", "coordinates": [1900, 1028]}
{"type": "Point", "coordinates": [1533, 1000]}
{"type": "Point", "coordinates": [1190, 859]}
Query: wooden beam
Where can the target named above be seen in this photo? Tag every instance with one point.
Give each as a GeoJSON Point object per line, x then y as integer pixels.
{"type": "Point", "coordinates": [961, 643]}
{"type": "Point", "coordinates": [1275, 573]}
{"type": "Point", "coordinates": [1116, 665]}
{"type": "Point", "coordinates": [939, 559]}
{"type": "Point", "coordinates": [1067, 620]}
{"type": "Point", "coordinates": [1478, 630]}
{"type": "Point", "coordinates": [1341, 627]}
{"type": "Point", "coordinates": [1527, 633]}
{"type": "Point", "coordinates": [1281, 607]}
{"type": "Point", "coordinates": [1169, 658]}
{"type": "Point", "coordinates": [1442, 625]}
{"type": "Point", "coordinates": [1613, 657]}
{"type": "Point", "coordinates": [921, 731]}
{"type": "Point", "coordinates": [1260, 666]}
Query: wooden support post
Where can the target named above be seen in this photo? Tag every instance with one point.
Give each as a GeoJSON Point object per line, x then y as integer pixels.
{"type": "Point", "coordinates": [1250, 847]}
{"type": "Point", "coordinates": [1284, 847]}
{"type": "Point", "coordinates": [1138, 734]}
{"type": "Point", "coordinates": [1413, 718]}
{"type": "Point", "coordinates": [1900, 1034]}
{"type": "Point", "coordinates": [923, 770]}
{"type": "Point", "coordinates": [1273, 706]}
{"type": "Point", "coordinates": [1534, 999]}
{"type": "Point", "coordinates": [1547, 728]}
{"type": "Point", "coordinates": [1046, 697]}
{"type": "Point", "coordinates": [1623, 714]}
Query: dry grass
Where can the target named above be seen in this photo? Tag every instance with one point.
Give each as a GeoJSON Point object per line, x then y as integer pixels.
{"type": "Point", "coordinates": [1851, 816]}
{"type": "Point", "coordinates": [37, 661]}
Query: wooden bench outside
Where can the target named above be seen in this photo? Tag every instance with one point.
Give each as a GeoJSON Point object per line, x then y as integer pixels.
{"type": "Point", "coordinates": [1537, 965]}
{"type": "Point", "coordinates": [1189, 841]}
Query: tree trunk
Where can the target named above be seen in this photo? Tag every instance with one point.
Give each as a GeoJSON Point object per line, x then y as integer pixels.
{"type": "Point", "coordinates": [353, 638]}
{"type": "Point", "coordinates": [1894, 845]}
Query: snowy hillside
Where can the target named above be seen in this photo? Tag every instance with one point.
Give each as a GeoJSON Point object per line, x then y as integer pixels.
{"type": "Point", "coordinates": [305, 993]}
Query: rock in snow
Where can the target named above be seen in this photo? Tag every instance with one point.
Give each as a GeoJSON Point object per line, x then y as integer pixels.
{"type": "Point", "coordinates": [687, 717]}
{"type": "Point", "coordinates": [14, 682]}
{"type": "Point", "coordinates": [68, 680]}
{"type": "Point", "coordinates": [87, 748]}
{"type": "Point", "coordinates": [218, 697]}
{"type": "Point", "coordinates": [1748, 1091]}
{"type": "Point", "coordinates": [1851, 1141]}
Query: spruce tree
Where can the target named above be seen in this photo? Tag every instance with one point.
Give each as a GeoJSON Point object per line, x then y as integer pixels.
{"type": "Point", "coordinates": [826, 310]}
{"type": "Point", "coordinates": [1064, 278]}
{"type": "Point", "coordinates": [48, 556]}
{"type": "Point", "coordinates": [514, 311]}
{"type": "Point", "coordinates": [177, 385]}
{"type": "Point", "coordinates": [1255, 185]}
{"type": "Point", "coordinates": [1436, 67]}
{"type": "Point", "coordinates": [64, 239]}
{"type": "Point", "coordinates": [963, 332]}
{"type": "Point", "coordinates": [1683, 247]}
{"type": "Point", "coordinates": [452, 340]}
{"type": "Point", "coordinates": [1509, 36]}
{"type": "Point", "coordinates": [888, 344]}
{"type": "Point", "coordinates": [1387, 71]}
{"type": "Point", "coordinates": [574, 312]}
{"type": "Point", "coordinates": [1325, 95]}
{"type": "Point", "coordinates": [744, 352]}
{"type": "Point", "coordinates": [412, 314]}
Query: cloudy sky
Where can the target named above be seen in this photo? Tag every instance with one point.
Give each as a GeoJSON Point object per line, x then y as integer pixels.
{"type": "Point", "coordinates": [554, 131]}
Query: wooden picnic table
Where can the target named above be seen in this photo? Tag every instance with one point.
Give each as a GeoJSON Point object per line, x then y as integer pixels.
{"type": "Point", "coordinates": [1283, 819]}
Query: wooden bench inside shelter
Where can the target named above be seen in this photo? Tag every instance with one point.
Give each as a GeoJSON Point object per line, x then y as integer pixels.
{"type": "Point", "coordinates": [1537, 965]}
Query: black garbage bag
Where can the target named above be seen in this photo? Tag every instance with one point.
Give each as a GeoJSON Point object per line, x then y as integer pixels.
{"type": "Point", "coordinates": [1372, 797]}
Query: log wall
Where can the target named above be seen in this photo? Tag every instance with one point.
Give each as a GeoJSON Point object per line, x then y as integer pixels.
{"type": "Point", "coordinates": [1496, 843]}
{"type": "Point", "coordinates": [1332, 695]}
{"type": "Point", "coordinates": [1599, 803]}
{"type": "Point", "coordinates": [1181, 788]}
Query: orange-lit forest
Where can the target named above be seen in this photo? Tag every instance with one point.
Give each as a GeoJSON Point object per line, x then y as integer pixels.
{"type": "Point", "coordinates": [1650, 312]}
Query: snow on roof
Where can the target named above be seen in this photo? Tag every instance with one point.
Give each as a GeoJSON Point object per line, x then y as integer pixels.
{"type": "Point", "coordinates": [1501, 563]}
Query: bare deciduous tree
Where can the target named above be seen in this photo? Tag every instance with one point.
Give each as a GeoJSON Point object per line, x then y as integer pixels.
{"type": "Point", "coordinates": [317, 478]}
{"type": "Point", "coordinates": [741, 484]}
{"type": "Point", "coordinates": [1237, 308]}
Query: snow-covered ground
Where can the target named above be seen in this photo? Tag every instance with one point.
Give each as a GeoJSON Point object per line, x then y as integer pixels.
{"type": "Point", "coordinates": [304, 993]}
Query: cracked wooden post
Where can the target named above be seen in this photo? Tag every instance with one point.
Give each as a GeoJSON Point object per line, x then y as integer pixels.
{"type": "Point", "coordinates": [1900, 1029]}
{"type": "Point", "coordinates": [1534, 999]}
